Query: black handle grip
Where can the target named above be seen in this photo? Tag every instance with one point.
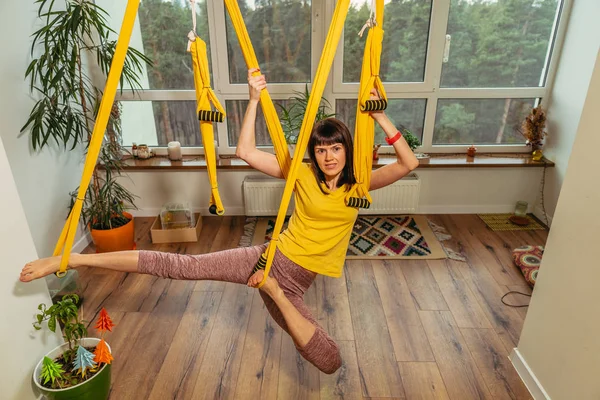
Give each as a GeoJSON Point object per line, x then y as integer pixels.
{"type": "Point", "coordinates": [357, 202]}
{"type": "Point", "coordinates": [374, 105]}
{"type": "Point", "coordinates": [210, 116]}
{"type": "Point", "coordinates": [261, 264]}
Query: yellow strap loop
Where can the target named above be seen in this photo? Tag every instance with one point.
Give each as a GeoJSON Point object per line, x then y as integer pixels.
{"type": "Point", "coordinates": [65, 241]}
{"type": "Point", "coordinates": [364, 130]}
{"type": "Point", "coordinates": [270, 113]}
{"type": "Point", "coordinates": [204, 97]}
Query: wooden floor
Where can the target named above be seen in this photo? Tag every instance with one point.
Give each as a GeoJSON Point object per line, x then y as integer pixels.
{"type": "Point", "coordinates": [408, 329]}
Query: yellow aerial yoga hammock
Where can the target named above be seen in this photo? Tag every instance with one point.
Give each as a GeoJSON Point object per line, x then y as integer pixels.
{"type": "Point", "coordinates": [270, 114]}
{"type": "Point", "coordinates": [362, 125]}
{"type": "Point", "coordinates": [364, 131]}
{"type": "Point", "coordinates": [204, 94]}
{"type": "Point", "coordinates": [204, 97]}
{"type": "Point", "coordinates": [65, 241]}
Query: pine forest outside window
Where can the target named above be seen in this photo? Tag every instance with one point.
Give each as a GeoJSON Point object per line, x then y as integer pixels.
{"type": "Point", "coordinates": [457, 72]}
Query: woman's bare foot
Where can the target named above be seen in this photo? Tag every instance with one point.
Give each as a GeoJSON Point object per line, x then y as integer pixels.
{"type": "Point", "coordinates": [40, 268]}
{"type": "Point", "coordinates": [271, 286]}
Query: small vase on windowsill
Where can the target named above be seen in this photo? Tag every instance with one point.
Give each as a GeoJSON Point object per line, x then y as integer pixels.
{"type": "Point", "coordinates": [536, 152]}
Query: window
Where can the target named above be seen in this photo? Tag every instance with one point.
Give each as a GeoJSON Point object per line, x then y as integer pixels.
{"type": "Point", "coordinates": [457, 72]}
{"type": "Point", "coordinates": [157, 123]}
{"type": "Point", "coordinates": [498, 43]}
{"type": "Point", "coordinates": [164, 26]}
{"type": "Point", "coordinates": [280, 32]}
{"type": "Point", "coordinates": [235, 114]}
{"type": "Point", "coordinates": [404, 47]}
{"type": "Point", "coordinates": [482, 121]}
{"type": "Point", "coordinates": [408, 114]}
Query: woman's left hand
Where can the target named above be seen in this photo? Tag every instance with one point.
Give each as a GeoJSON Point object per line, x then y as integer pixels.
{"type": "Point", "coordinates": [256, 278]}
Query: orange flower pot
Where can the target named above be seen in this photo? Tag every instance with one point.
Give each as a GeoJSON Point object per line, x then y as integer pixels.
{"type": "Point", "coordinates": [117, 239]}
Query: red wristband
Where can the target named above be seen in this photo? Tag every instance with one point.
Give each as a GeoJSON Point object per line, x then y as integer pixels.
{"type": "Point", "coordinates": [394, 139]}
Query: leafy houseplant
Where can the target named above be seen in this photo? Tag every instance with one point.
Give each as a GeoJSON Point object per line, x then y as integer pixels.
{"type": "Point", "coordinates": [80, 368]}
{"type": "Point", "coordinates": [292, 116]}
{"type": "Point", "coordinates": [412, 141]}
{"type": "Point", "coordinates": [69, 97]}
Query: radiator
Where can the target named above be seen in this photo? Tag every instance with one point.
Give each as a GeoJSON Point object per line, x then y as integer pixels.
{"type": "Point", "coordinates": [263, 195]}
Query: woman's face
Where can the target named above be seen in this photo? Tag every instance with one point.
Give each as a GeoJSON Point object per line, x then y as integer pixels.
{"type": "Point", "coordinates": [331, 159]}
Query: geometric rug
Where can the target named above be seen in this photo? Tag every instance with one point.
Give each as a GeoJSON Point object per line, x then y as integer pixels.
{"type": "Point", "coordinates": [500, 222]}
{"type": "Point", "coordinates": [376, 237]}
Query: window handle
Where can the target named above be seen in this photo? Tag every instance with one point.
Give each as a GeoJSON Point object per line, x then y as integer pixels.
{"type": "Point", "coordinates": [447, 48]}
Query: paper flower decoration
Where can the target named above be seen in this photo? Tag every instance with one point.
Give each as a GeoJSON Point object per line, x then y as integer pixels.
{"type": "Point", "coordinates": [102, 353]}
{"type": "Point", "coordinates": [104, 322]}
{"type": "Point", "coordinates": [50, 370]}
{"type": "Point", "coordinates": [83, 360]}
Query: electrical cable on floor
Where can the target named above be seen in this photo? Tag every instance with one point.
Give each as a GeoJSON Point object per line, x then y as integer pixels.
{"type": "Point", "coordinates": [514, 305]}
{"type": "Point", "coordinates": [543, 186]}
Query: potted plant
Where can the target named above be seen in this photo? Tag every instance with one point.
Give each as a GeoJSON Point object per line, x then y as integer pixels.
{"type": "Point", "coordinates": [79, 368]}
{"type": "Point", "coordinates": [412, 141]}
{"type": "Point", "coordinates": [292, 116]}
{"type": "Point", "coordinates": [69, 96]}
{"type": "Point", "coordinates": [105, 202]}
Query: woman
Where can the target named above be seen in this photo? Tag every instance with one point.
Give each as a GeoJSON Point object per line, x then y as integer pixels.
{"type": "Point", "coordinates": [315, 241]}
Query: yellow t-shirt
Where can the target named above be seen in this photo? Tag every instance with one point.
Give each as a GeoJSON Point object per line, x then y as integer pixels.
{"type": "Point", "coordinates": [319, 229]}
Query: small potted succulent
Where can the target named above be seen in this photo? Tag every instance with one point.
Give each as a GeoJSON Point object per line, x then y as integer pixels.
{"type": "Point", "coordinates": [79, 368]}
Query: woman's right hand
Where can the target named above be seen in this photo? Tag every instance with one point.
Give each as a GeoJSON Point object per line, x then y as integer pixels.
{"type": "Point", "coordinates": [255, 84]}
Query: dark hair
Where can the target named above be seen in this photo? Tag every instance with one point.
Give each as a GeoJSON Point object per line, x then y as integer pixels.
{"type": "Point", "coordinates": [326, 133]}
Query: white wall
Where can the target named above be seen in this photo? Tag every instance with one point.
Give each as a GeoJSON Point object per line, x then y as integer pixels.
{"type": "Point", "coordinates": [568, 93]}
{"type": "Point", "coordinates": [560, 340]}
{"type": "Point", "coordinates": [44, 179]}
{"type": "Point", "coordinates": [21, 347]}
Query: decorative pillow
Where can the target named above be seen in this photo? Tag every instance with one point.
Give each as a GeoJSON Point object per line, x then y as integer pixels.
{"type": "Point", "coordinates": [528, 259]}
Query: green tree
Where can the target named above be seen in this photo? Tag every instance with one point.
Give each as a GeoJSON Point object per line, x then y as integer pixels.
{"type": "Point", "coordinates": [499, 43]}
{"type": "Point", "coordinates": [280, 31]}
{"type": "Point", "coordinates": [454, 122]}
{"type": "Point", "coordinates": [164, 26]}
{"type": "Point", "coordinates": [495, 43]}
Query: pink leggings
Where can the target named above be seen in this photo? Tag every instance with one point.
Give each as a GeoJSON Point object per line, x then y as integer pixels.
{"type": "Point", "coordinates": [236, 266]}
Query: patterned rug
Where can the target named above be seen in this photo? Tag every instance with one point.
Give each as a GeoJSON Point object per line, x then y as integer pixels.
{"type": "Point", "coordinates": [373, 237]}
{"type": "Point", "coordinates": [500, 222]}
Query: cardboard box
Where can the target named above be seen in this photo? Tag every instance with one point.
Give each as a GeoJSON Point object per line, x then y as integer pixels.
{"type": "Point", "coordinates": [160, 235]}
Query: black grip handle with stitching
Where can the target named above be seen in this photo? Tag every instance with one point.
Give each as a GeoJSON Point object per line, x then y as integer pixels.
{"type": "Point", "coordinates": [357, 202]}
{"type": "Point", "coordinates": [374, 105]}
{"type": "Point", "coordinates": [210, 116]}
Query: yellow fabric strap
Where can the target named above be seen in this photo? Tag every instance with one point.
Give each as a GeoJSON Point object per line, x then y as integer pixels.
{"type": "Point", "coordinates": [204, 97]}
{"type": "Point", "coordinates": [272, 120]}
{"type": "Point", "coordinates": [65, 241]}
{"type": "Point", "coordinates": [331, 43]}
{"type": "Point", "coordinates": [364, 130]}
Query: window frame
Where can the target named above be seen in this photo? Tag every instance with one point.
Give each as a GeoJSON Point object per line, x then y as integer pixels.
{"type": "Point", "coordinates": [429, 90]}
